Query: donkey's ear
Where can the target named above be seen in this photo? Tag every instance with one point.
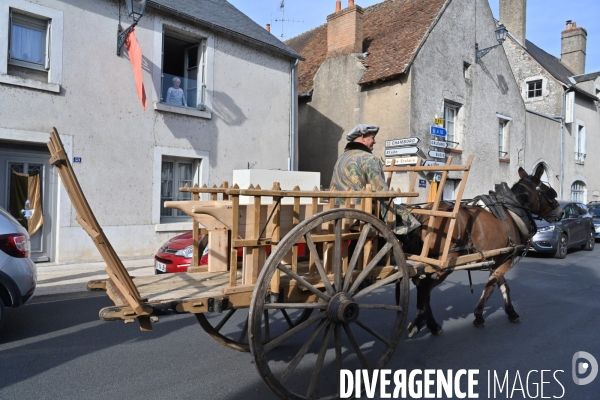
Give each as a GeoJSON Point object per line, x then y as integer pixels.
{"type": "Point", "coordinates": [522, 173]}
{"type": "Point", "coordinates": [539, 171]}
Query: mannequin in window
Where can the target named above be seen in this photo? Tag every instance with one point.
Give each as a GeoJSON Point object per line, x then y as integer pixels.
{"type": "Point", "coordinates": [175, 94]}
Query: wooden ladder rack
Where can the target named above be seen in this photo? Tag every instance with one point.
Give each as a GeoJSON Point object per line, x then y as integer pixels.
{"type": "Point", "coordinates": [114, 267]}
{"type": "Point", "coordinates": [435, 212]}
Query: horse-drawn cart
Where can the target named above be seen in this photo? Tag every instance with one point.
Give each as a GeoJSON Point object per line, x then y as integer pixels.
{"type": "Point", "coordinates": [304, 315]}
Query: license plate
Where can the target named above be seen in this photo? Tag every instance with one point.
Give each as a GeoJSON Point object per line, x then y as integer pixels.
{"type": "Point", "coordinates": [160, 266]}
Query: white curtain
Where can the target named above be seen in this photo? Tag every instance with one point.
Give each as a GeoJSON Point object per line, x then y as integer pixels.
{"type": "Point", "coordinates": [26, 44]}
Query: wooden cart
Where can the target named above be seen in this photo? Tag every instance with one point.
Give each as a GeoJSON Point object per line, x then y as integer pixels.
{"type": "Point", "coordinates": [303, 316]}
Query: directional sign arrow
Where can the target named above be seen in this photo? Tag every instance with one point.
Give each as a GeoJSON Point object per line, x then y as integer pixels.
{"type": "Point", "coordinates": [401, 151]}
{"type": "Point", "coordinates": [437, 131]}
{"type": "Point", "coordinates": [437, 154]}
{"type": "Point", "coordinates": [438, 143]}
{"type": "Point", "coordinates": [430, 163]}
{"type": "Point", "coordinates": [402, 142]}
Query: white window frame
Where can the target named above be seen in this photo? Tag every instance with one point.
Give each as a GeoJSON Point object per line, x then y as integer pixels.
{"type": "Point", "coordinates": [177, 183]}
{"type": "Point", "coordinates": [503, 136]}
{"type": "Point", "coordinates": [55, 40]}
{"type": "Point", "coordinates": [200, 175]}
{"type": "Point", "coordinates": [525, 88]}
{"type": "Point", "coordinates": [44, 26]}
{"type": "Point", "coordinates": [580, 143]}
{"type": "Point", "coordinates": [204, 38]}
{"type": "Point", "coordinates": [535, 89]}
{"type": "Point", "coordinates": [451, 125]}
{"type": "Point", "coordinates": [579, 192]}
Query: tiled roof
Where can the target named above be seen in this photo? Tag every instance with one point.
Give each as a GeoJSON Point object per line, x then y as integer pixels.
{"type": "Point", "coordinates": [393, 31]}
{"type": "Point", "coordinates": [222, 16]}
{"type": "Point", "coordinates": [587, 77]}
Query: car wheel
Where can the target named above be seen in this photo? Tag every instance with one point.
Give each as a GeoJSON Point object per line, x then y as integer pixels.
{"type": "Point", "coordinates": [1, 313]}
{"type": "Point", "coordinates": [561, 250]}
{"type": "Point", "coordinates": [591, 241]}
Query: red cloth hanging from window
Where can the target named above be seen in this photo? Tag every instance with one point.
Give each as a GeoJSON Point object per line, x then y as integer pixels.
{"type": "Point", "coordinates": [135, 56]}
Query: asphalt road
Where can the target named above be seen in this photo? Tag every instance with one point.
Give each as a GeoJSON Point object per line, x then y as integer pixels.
{"type": "Point", "coordinates": [60, 350]}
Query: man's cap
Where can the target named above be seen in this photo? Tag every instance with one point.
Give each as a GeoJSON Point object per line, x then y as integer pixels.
{"type": "Point", "coordinates": [361, 129]}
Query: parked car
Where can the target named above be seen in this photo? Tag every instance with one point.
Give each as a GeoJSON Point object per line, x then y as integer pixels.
{"type": "Point", "coordinates": [176, 254]}
{"type": "Point", "coordinates": [576, 228]}
{"type": "Point", "coordinates": [18, 274]}
{"type": "Point", "coordinates": [594, 210]}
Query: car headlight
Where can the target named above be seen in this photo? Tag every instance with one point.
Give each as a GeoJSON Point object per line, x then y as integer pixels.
{"type": "Point", "coordinates": [546, 228]}
{"type": "Point", "coordinates": [187, 252]}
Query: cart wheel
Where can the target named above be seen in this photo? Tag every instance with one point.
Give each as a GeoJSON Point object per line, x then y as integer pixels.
{"type": "Point", "coordinates": [359, 320]}
{"type": "Point", "coordinates": [231, 327]}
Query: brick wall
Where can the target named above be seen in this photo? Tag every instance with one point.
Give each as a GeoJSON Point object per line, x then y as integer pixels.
{"type": "Point", "coordinates": [345, 32]}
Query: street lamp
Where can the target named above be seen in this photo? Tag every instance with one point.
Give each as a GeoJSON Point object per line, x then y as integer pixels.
{"type": "Point", "coordinates": [501, 33]}
{"type": "Point", "coordinates": [135, 10]}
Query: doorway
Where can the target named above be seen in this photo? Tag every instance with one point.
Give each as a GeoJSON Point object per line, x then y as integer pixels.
{"type": "Point", "coordinates": [18, 161]}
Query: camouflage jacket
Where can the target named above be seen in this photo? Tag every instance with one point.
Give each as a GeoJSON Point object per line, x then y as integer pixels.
{"type": "Point", "coordinates": [355, 169]}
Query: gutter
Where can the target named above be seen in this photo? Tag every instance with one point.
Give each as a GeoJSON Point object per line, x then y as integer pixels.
{"type": "Point", "coordinates": [562, 143]}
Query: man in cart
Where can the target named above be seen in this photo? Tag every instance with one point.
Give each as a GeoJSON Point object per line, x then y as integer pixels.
{"type": "Point", "coordinates": [357, 167]}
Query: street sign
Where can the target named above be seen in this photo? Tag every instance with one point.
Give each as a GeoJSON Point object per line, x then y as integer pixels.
{"type": "Point", "coordinates": [430, 163]}
{"type": "Point", "coordinates": [389, 162]}
{"type": "Point", "coordinates": [437, 177]}
{"type": "Point", "coordinates": [437, 131]}
{"type": "Point", "coordinates": [437, 154]}
{"type": "Point", "coordinates": [402, 142]}
{"type": "Point", "coordinates": [406, 160]}
{"type": "Point", "coordinates": [76, 159]}
{"type": "Point", "coordinates": [438, 143]}
{"type": "Point", "coordinates": [401, 151]}
{"type": "Point", "coordinates": [438, 121]}
{"type": "Point", "coordinates": [422, 183]}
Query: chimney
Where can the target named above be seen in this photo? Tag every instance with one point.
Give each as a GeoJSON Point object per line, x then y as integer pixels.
{"type": "Point", "coordinates": [345, 31]}
{"type": "Point", "coordinates": [338, 5]}
{"type": "Point", "coordinates": [513, 15]}
{"type": "Point", "coordinates": [573, 48]}
{"type": "Point", "coordinates": [268, 27]}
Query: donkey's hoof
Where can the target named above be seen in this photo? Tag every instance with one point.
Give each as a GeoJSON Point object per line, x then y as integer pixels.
{"type": "Point", "coordinates": [515, 319]}
{"type": "Point", "coordinates": [412, 329]}
{"type": "Point", "coordinates": [438, 332]}
{"type": "Point", "coordinates": [479, 322]}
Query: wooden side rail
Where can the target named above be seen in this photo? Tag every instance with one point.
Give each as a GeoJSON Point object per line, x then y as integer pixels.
{"type": "Point", "coordinates": [114, 267]}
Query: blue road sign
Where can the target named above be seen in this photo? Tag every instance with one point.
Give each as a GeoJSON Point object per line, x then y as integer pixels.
{"type": "Point", "coordinates": [437, 131]}
{"type": "Point", "coordinates": [422, 183]}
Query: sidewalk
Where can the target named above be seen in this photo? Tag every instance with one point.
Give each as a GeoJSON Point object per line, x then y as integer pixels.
{"type": "Point", "coordinates": [59, 279]}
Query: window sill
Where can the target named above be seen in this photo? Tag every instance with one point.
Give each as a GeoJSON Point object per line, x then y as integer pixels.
{"type": "Point", "coordinates": [173, 227]}
{"type": "Point", "coordinates": [192, 112]}
{"type": "Point", "coordinates": [450, 150]}
{"type": "Point", "coordinates": [30, 83]}
{"type": "Point", "coordinates": [532, 99]}
{"type": "Point", "coordinates": [504, 160]}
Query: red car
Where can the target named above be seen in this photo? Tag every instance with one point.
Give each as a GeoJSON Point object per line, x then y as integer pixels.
{"type": "Point", "coordinates": [176, 254]}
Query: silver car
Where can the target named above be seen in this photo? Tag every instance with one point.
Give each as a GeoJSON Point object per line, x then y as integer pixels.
{"type": "Point", "coordinates": [576, 228]}
{"type": "Point", "coordinates": [18, 274]}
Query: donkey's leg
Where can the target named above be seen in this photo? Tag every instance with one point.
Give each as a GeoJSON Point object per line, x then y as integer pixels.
{"type": "Point", "coordinates": [493, 280]}
{"type": "Point", "coordinates": [424, 314]}
{"type": "Point", "coordinates": [508, 306]}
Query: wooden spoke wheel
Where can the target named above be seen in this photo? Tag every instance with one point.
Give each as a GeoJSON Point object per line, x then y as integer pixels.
{"type": "Point", "coordinates": [357, 322]}
{"type": "Point", "coordinates": [230, 328]}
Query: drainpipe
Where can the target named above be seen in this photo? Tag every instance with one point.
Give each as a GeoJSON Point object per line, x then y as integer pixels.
{"type": "Point", "coordinates": [293, 112]}
{"type": "Point", "coordinates": [562, 144]}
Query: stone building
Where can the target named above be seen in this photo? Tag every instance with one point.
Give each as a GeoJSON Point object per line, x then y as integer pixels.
{"type": "Point", "coordinates": [400, 65]}
{"type": "Point", "coordinates": [563, 117]}
{"type": "Point", "coordinates": [58, 67]}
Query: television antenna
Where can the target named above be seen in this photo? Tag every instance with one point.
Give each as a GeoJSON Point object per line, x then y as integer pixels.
{"type": "Point", "coordinates": [283, 20]}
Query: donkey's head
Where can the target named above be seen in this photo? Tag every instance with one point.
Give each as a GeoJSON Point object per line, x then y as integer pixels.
{"type": "Point", "coordinates": [539, 197]}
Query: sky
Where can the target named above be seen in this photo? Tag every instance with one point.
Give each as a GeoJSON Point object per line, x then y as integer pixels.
{"type": "Point", "coordinates": [546, 19]}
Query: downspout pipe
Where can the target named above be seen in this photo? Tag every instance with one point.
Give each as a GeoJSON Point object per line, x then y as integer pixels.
{"type": "Point", "coordinates": [562, 143]}
{"type": "Point", "coordinates": [293, 112]}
